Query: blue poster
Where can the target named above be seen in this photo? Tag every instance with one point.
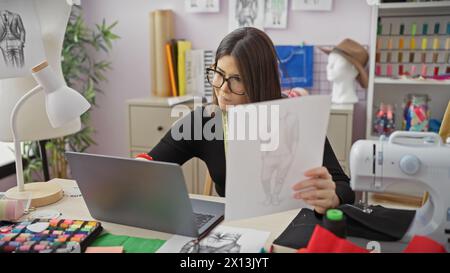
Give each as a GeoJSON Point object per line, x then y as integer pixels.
{"type": "Point", "coordinates": [296, 66]}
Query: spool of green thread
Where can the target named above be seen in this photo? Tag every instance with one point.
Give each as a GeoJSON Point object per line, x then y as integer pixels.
{"type": "Point", "coordinates": [334, 221]}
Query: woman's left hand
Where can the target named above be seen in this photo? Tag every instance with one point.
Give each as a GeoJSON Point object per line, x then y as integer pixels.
{"type": "Point", "coordinates": [319, 190]}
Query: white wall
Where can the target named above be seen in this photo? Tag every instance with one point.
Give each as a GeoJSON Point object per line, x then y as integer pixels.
{"type": "Point", "coordinates": [130, 55]}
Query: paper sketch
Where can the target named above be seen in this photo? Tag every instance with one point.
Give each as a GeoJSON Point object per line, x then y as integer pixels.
{"type": "Point", "coordinates": [202, 5]}
{"type": "Point", "coordinates": [12, 38]}
{"type": "Point", "coordinates": [277, 164]}
{"type": "Point", "coordinates": [259, 182]}
{"type": "Point", "coordinates": [276, 14]}
{"type": "Point", "coordinates": [246, 13]}
{"type": "Point", "coordinates": [216, 242]}
{"type": "Point", "coordinates": [20, 38]}
{"type": "Point", "coordinates": [312, 5]}
{"type": "Point", "coordinates": [221, 240]}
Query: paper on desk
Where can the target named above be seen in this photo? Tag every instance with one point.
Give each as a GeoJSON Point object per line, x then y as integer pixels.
{"type": "Point", "coordinates": [260, 182]}
{"type": "Point", "coordinates": [221, 240]}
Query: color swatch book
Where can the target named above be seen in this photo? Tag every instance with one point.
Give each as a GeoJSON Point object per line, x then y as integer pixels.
{"type": "Point", "coordinates": [48, 236]}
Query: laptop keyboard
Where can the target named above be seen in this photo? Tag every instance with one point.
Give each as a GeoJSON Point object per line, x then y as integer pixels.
{"type": "Point", "coordinates": [202, 219]}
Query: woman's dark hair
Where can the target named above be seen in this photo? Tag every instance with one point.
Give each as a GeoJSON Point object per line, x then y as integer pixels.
{"type": "Point", "coordinates": [257, 62]}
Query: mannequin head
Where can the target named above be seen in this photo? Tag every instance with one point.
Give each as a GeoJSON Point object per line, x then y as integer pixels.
{"type": "Point", "coordinates": [339, 69]}
{"type": "Point", "coordinates": [342, 74]}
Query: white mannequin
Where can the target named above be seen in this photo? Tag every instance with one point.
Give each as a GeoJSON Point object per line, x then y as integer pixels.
{"type": "Point", "coordinates": [33, 121]}
{"type": "Point", "coordinates": [342, 74]}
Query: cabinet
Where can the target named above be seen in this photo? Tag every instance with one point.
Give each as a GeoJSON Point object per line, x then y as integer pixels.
{"type": "Point", "coordinates": [150, 118]}
{"type": "Point", "coordinates": [340, 131]}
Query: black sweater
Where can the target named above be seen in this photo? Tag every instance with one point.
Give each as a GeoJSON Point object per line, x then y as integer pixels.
{"type": "Point", "coordinates": [212, 152]}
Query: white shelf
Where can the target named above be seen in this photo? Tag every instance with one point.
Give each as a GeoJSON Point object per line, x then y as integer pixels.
{"type": "Point", "coordinates": [415, 5]}
{"type": "Point", "coordinates": [395, 90]}
{"type": "Point", "coordinates": [411, 81]}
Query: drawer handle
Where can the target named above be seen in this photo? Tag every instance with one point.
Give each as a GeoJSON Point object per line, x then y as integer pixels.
{"type": "Point", "coordinates": [160, 128]}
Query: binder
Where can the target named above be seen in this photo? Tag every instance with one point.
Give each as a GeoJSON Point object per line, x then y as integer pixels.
{"type": "Point", "coordinates": [161, 32]}
{"type": "Point", "coordinates": [183, 47]}
{"type": "Point", "coordinates": [173, 86]}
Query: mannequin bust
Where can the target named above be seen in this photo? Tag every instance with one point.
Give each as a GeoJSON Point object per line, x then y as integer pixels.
{"type": "Point", "coordinates": [342, 74]}
{"type": "Point", "coordinates": [34, 124]}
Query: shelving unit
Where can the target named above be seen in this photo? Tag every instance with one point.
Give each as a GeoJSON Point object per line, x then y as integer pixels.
{"type": "Point", "coordinates": [393, 90]}
{"type": "Point", "coordinates": [381, 80]}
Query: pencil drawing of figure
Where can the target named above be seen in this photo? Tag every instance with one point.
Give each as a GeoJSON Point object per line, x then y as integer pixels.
{"type": "Point", "coordinates": [193, 3]}
{"type": "Point", "coordinates": [246, 12]}
{"type": "Point", "coordinates": [216, 242]}
{"type": "Point", "coordinates": [276, 164]}
{"type": "Point", "coordinates": [12, 38]}
{"type": "Point", "coordinates": [277, 8]}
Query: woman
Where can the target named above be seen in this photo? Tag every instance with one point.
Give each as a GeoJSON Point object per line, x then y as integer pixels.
{"type": "Point", "coordinates": [246, 71]}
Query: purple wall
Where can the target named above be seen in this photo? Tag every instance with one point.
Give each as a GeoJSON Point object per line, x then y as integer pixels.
{"type": "Point", "coordinates": [130, 55]}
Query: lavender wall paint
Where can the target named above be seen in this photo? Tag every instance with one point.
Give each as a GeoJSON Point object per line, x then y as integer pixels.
{"type": "Point", "coordinates": [7, 183]}
{"type": "Point", "coordinates": [130, 56]}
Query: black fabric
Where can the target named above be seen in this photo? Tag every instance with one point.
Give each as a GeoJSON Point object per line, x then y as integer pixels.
{"type": "Point", "coordinates": [383, 224]}
{"type": "Point", "coordinates": [212, 152]}
{"type": "Point", "coordinates": [299, 231]}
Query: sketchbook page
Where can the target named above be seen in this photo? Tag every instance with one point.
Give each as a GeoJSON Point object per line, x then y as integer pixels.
{"type": "Point", "coordinates": [202, 5]}
{"type": "Point", "coordinates": [221, 240]}
{"type": "Point", "coordinates": [261, 170]}
{"type": "Point", "coordinates": [276, 14]}
{"type": "Point", "coordinates": [20, 38]}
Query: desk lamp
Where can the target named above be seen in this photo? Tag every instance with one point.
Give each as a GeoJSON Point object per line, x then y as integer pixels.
{"type": "Point", "coordinates": [63, 105]}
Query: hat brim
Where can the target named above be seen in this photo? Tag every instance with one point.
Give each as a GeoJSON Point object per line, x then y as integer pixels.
{"type": "Point", "coordinates": [363, 76]}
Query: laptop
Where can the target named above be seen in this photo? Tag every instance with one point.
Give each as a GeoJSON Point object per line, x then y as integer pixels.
{"type": "Point", "coordinates": [145, 194]}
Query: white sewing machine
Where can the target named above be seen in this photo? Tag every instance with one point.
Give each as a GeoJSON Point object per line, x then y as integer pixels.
{"type": "Point", "coordinates": [375, 165]}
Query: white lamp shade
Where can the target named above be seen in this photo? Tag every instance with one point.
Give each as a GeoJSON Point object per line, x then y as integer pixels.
{"type": "Point", "coordinates": [65, 105]}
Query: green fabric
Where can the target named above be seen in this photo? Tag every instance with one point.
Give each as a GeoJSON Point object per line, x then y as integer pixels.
{"type": "Point", "coordinates": [130, 244]}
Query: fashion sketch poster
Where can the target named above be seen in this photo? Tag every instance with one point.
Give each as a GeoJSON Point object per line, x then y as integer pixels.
{"type": "Point", "coordinates": [246, 13]}
{"type": "Point", "coordinates": [21, 43]}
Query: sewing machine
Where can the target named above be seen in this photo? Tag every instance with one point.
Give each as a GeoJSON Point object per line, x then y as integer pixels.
{"type": "Point", "coordinates": [408, 158]}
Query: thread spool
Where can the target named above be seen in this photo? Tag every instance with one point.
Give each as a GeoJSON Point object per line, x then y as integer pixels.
{"type": "Point", "coordinates": [334, 221]}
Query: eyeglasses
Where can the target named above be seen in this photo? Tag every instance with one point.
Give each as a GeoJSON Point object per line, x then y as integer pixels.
{"type": "Point", "coordinates": [217, 79]}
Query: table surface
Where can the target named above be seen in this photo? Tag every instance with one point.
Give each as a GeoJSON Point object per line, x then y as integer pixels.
{"type": "Point", "coordinates": [75, 208]}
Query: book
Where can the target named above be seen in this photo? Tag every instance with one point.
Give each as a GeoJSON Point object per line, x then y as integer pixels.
{"type": "Point", "coordinates": [183, 47]}
{"type": "Point", "coordinates": [173, 86]}
{"type": "Point", "coordinates": [197, 61]}
{"type": "Point", "coordinates": [174, 47]}
{"type": "Point", "coordinates": [161, 31]}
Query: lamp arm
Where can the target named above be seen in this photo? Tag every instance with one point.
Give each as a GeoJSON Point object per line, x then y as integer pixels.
{"type": "Point", "coordinates": [16, 139]}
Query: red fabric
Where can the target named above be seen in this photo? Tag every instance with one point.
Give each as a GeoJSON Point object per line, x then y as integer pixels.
{"type": "Point", "coordinates": [421, 244]}
{"type": "Point", "coordinates": [144, 156]}
{"type": "Point", "coordinates": [324, 241]}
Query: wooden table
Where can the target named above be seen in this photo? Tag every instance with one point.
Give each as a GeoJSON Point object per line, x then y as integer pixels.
{"type": "Point", "coordinates": [75, 208]}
